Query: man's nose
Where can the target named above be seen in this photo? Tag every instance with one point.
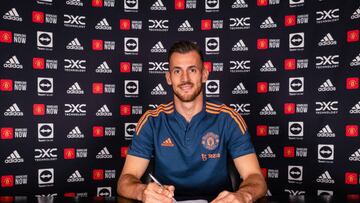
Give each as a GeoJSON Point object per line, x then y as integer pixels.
{"type": "Point", "coordinates": [184, 77]}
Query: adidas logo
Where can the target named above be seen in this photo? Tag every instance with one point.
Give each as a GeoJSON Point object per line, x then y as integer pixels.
{"type": "Point", "coordinates": [326, 132]}
{"type": "Point", "coordinates": [75, 133]}
{"type": "Point", "coordinates": [103, 25]}
{"type": "Point", "coordinates": [158, 90]}
{"type": "Point", "coordinates": [14, 157]}
{"type": "Point", "coordinates": [355, 109]}
{"type": "Point", "coordinates": [327, 86]}
{"type": "Point", "coordinates": [267, 153]}
{"type": "Point", "coordinates": [325, 178]}
{"type": "Point", "coordinates": [103, 68]}
{"type": "Point", "coordinates": [327, 40]}
{"type": "Point", "coordinates": [355, 156]}
{"type": "Point", "coordinates": [267, 110]}
{"type": "Point", "coordinates": [104, 154]}
{"type": "Point", "coordinates": [268, 193]}
{"type": "Point", "coordinates": [13, 110]}
{"type": "Point", "coordinates": [104, 111]}
{"type": "Point", "coordinates": [13, 62]}
{"type": "Point", "coordinates": [268, 67]}
{"type": "Point", "coordinates": [74, 3]}
{"type": "Point", "coordinates": [240, 46]}
{"type": "Point", "coordinates": [75, 177]}
{"type": "Point", "coordinates": [75, 45]}
{"type": "Point", "coordinates": [356, 14]}
{"type": "Point", "coordinates": [158, 6]}
{"type": "Point", "coordinates": [355, 61]}
{"type": "Point", "coordinates": [158, 48]}
{"type": "Point", "coordinates": [268, 23]}
{"type": "Point", "coordinates": [240, 89]}
{"type": "Point", "coordinates": [12, 15]}
{"type": "Point", "coordinates": [167, 143]}
{"type": "Point", "coordinates": [239, 4]}
{"type": "Point", "coordinates": [75, 89]}
{"type": "Point", "coordinates": [185, 27]}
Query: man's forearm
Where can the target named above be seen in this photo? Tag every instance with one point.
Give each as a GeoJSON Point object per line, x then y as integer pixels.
{"type": "Point", "coordinates": [255, 185]}
{"type": "Point", "coordinates": [130, 187]}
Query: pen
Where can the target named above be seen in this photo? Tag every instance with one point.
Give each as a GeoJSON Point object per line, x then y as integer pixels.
{"type": "Point", "coordinates": [157, 182]}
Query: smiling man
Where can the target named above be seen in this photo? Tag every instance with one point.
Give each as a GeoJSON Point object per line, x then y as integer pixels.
{"type": "Point", "coordinates": [190, 140]}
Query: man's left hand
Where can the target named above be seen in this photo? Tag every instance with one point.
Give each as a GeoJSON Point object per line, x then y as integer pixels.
{"type": "Point", "coordinates": [233, 197]}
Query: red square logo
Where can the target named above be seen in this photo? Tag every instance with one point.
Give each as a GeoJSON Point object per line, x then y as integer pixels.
{"type": "Point", "coordinates": [7, 181]}
{"type": "Point", "coordinates": [69, 153]}
{"type": "Point", "coordinates": [353, 36]}
{"type": "Point", "coordinates": [98, 88]}
{"type": "Point", "coordinates": [39, 109]}
{"type": "Point", "coordinates": [38, 17]}
{"type": "Point", "coordinates": [125, 24]}
{"type": "Point", "coordinates": [7, 199]}
{"type": "Point", "coordinates": [352, 83]}
{"type": "Point", "coordinates": [352, 130]}
{"type": "Point", "coordinates": [98, 174]}
{"type": "Point", "coordinates": [179, 4]}
{"type": "Point", "coordinates": [289, 108]}
{"type": "Point", "coordinates": [208, 65]}
{"type": "Point", "coordinates": [290, 64]}
{"type": "Point", "coordinates": [97, 44]}
{"type": "Point", "coordinates": [125, 67]}
{"type": "Point", "coordinates": [69, 194]}
{"type": "Point", "coordinates": [6, 85]}
{"type": "Point", "coordinates": [261, 130]}
{"type": "Point", "coordinates": [97, 3]}
{"type": "Point", "coordinates": [98, 131]}
{"type": "Point", "coordinates": [7, 133]}
{"type": "Point", "coordinates": [351, 178]}
{"type": "Point", "coordinates": [262, 87]}
{"type": "Point", "coordinates": [262, 2]}
{"type": "Point", "coordinates": [38, 63]}
{"type": "Point", "coordinates": [289, 152]}
{"type": "Point", "coordinates": [5, 36]}
{"type": "Point", "coordinates": [125, 110]}
{"type": "Point", "coordinates": [262, 44]}
{"type": "Point", "coordinates": [206, 24]}
{"type": "Point", "coordinates": [264, 172]}
{"type": "Point", "coordinates": [123, 151]}
{"type": "Point", "coordinates": [290, 20]}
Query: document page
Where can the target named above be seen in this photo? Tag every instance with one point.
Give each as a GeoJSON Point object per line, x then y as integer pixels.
{"type": "Point", "coordinates": [193, 201]}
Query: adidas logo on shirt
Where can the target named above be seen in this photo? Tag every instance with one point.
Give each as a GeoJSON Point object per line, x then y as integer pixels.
{"type": "Point", "coordinates": [267, 153]}
{"type": "Point", "coordinates": [356, 14]}
{"type": "Point", "coordinates": [158, 48]}
{"type": "Point", "coordinates": [355, 156]}
{"type": "Point", "coordinates": [240, 46]}
{"type": "Point", "coordinates": [12, 15]}
{"type": "Point", "coordinates": [104, 154]}
{"type": "Point", "coordinates": [103, 68]}
{"type": "Point", "coordinates": [158, 90]}
{"type": "Point", "coordinates": [167, 143]}
{"type": "Point", "coordinates": [327, 40]}
{"type": "Point", "coordinates": [13, 110]}
{"type": "Point", "coordinates": [14, 157]}
{"type": "Point", "coordinates": [267, 110]}
{"type": "Point", "coordinates": [75, 45]}
{"type": "Point", "coordinates": [75, 133]}
{"type": "Point", "coordinates": [268, 23]}
{"type": "Point", "coordinates": [158, 6]}
{"type": "Point", "coordinates": [326, 132]}
{"type": "Point", "coordinates": [104, 111]}
{"type": "Point", "coordinates": [13, 62]}
{"type": "Point", "coordinates": [103, 25]}
{"type": "Point", "coordinates": [355, 61]}
{"type": "Point", "coordinates": [75, 89]}
{"type": "Point", "coordinates": [268, 67]}
{"type": "Point", "coordinates": [355, 109]}
{"type": "Point", "coordinates": [325, 178]}
{"type": "Point", "coordinates": [239, 4]}
{"type": "Point", "coordinates": [327, 86]}
{"type": "Point", "coordinates": [185, 27]}
{"type": "Point", "coordinates": [240, 89]}
{"type": "Point", "coordinates": [75, 177]}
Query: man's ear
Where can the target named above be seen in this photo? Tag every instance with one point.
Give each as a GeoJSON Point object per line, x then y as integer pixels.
{"type": "Point", "coordinates": [168, 79]}
{"type": "Point", "coordinates": [205, 74]}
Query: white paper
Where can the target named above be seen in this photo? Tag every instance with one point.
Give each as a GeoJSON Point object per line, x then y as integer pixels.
{"type": "Point", "coordinates": [193, 201]}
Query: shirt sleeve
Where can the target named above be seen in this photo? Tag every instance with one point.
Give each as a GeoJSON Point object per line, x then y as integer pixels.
{"type": "Point", "coordinates": [142, 144]}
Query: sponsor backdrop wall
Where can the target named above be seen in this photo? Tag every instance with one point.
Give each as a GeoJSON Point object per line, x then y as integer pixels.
{"type": "Point", "coordinates": [76, 75]}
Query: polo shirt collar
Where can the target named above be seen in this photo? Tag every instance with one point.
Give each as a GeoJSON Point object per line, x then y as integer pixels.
{"type": "Point", "coordinates": [195, 119]}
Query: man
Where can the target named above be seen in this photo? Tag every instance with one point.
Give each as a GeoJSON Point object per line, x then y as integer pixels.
{"type": "Point", "coordinates": [189, 140]}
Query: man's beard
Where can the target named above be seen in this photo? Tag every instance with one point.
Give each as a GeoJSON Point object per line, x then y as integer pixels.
{"type": "Point", "coordinates": [189, 98]}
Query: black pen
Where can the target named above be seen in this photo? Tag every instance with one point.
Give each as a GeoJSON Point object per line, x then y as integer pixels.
{"type": "Point", "coordinates": [157, 182]}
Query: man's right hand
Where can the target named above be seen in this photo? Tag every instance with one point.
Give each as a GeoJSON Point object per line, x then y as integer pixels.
{"type": "Point", "coordinates": [154, 193]}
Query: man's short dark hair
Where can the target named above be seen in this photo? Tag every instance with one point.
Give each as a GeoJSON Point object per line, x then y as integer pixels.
{"type": "Point", "coordinates": [184, 47]}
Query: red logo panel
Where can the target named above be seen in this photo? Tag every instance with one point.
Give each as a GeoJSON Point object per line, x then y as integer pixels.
{"type": "Point", "coordinates": [290, 20]}
{"type": "Point", "coordinates": [125, 67]}
{"type": "Point", "coordinates": [98, 174]}
{"type": "Point", "coordinates": [289, 152]}
{"type": "Point", "coordinates": [125, 24]}
{"type": "Point", "coordinates": [97, 3]}
{"type": "Point", "coordinates": [125, 110]}
{"type": "Point", "coordinates": [7, 181]}
{"type": "Point", "coordinates": [353, 36]}
{"type": "Point", "coordinates": [290, 64]}
{"type": "Point", "coordinates": [262, 44]}
{"type": "Point", "coordinates": [6, 85]}
{"type": "Point", "coordinates": [39, 109]}
{"type": "Point", "coordinates": [179, 4]}
{"type": "Point", "coordinates": [261, 130]}
{"type": "Point", "coordinates": [352, 130]}
{"type": "Point", "coordinates": [351, 178]}
{"type": "Point", "coordinates": [206, 24]}
{"type": "Point", "coordinates": [98, 88]}
{"type": "Point", "coordinates": [38, 63]}
{"type": "Point", "coordinates": [38, 17]}
{"type": "Point", "coordinates": [7, 133]}
{"type": "Point", "coordinates": [98, 131]}
{"type": "Point", "coordinates": [69, 153]}
{"type": "Point", "coordinates": [352, 83]}
{"type": "Point", "coordinates": [262, 87]}
{"type": "Point", "coordinates": [289, 108]}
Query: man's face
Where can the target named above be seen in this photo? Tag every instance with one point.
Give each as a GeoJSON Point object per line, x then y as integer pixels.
{"type": "Point", "coordinates": [186, 75]}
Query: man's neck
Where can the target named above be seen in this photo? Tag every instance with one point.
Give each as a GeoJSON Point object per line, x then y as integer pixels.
{"type": "Point", "coordinates": [189, 109]}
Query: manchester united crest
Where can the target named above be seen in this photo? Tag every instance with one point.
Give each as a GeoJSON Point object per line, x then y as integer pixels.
{"type": "Point", "coordinates": [210, 141]}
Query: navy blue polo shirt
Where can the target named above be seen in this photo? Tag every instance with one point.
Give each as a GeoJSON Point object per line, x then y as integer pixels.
{"type": "Point", "coordinates": [192, 156]}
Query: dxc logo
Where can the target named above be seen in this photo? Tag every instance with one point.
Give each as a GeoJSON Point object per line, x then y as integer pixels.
{"type": "Point", "coordinates": [244, 65]}
{"type": "Point", "coordinates": [327, 60]}
{"type": "Point", "coordinates": [75, 108]}
{"type": "Point", "coordinates": [74, 64]}
{"type": "Point", "coordinates": [158, 24]}
{"type": "Point", "coordinates": [241, 108]}
{"type": "Point", "coordinates": [45, 153]}
{"type": "Point", "coordinates": [327, 106]}
{"type": "Point", "coordinates": [295, 192]}
{"type": "Point", "coordinates": [235, 22]}
{"type": "Point", "coordinates": [327, 15]}
{"type": "Point", "coordinates": [77, 20]}
{"type": "Point", "coordinates": [158, 66]}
